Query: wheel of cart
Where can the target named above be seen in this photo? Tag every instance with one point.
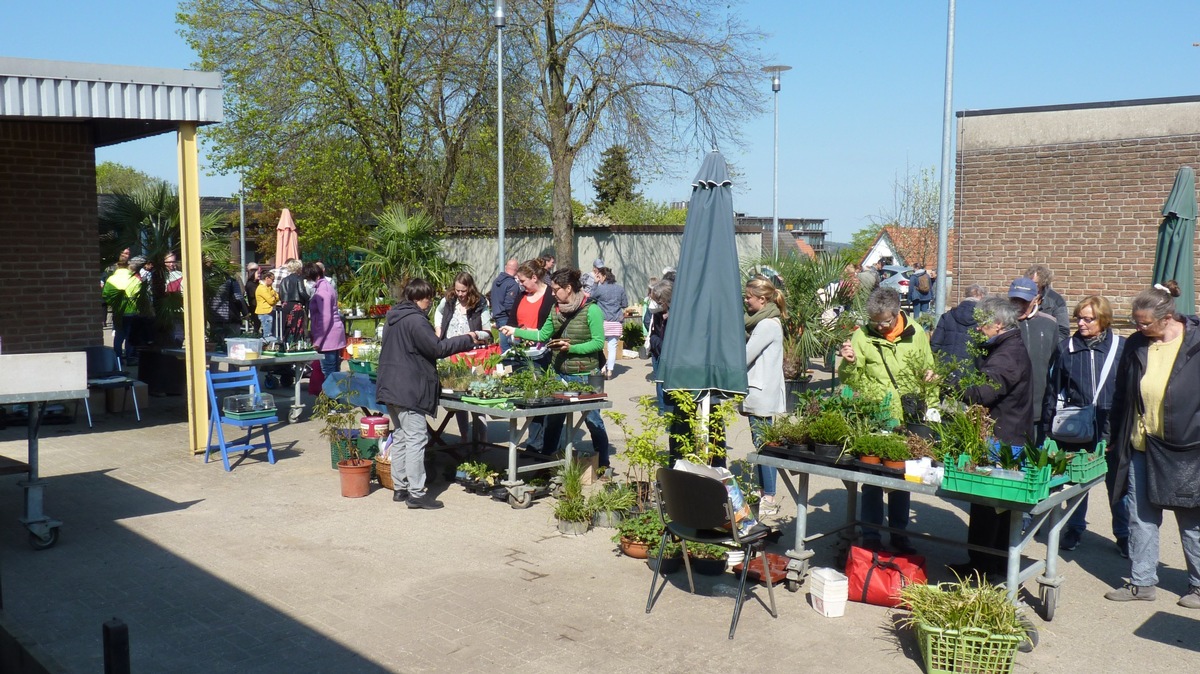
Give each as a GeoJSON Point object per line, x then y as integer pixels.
{"type": "Point", "coordinates": [43, 541]}
{"type": "Point", "coordinates": [1048, 589]}
{"type": "Point", "coordinates": [797, 569]}
{"type": "Point", "coordinates": [520, 496]}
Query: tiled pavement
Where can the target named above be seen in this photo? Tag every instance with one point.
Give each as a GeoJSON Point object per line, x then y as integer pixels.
{"type": "Point", "coordinates": [269, 569]}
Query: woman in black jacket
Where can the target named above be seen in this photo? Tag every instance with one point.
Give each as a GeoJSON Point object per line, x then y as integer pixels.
{"type": "Point", "coordinates": [1083, 372]}
{"type": "Point", "coordinates": [1008, 398]}
{"type": "Point", "coordinates": [1156, 435]}
{"type": "Point", "coordinates": [408, 384]}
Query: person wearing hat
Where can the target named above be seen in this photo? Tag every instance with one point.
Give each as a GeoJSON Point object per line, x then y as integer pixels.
{"type": "Point", "coordinates": [591, 278]}
{"type": "Point", "coordinates": [1039, 331]}
{"type": "Point", "coordinates": [123, 293]}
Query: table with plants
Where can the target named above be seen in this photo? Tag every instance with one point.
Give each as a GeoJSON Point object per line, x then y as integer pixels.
{"type": "Point", "coordinates": [517, 396]}
{"type": "Point", "coordinates": [951, 455]}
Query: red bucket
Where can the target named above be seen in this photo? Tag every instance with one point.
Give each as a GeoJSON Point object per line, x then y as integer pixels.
{"type": "Point", "coordinates": [375, 427]}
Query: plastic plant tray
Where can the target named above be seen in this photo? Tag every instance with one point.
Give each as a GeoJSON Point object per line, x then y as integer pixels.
{"type": "Point", "coordinates": [253, 414]}
{"type": "Point", "coordinates": [1034, 488]}
{"type": "Point", "coordinates": [1087, 466]}
{"type": "Point", "coordinates": [948, 651]}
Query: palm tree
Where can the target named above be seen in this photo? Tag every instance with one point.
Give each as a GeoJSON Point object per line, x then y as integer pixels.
{"type": "Point", "coordinates": [403, 246]}
{"type": "Point", "coordinates": [146, 221]}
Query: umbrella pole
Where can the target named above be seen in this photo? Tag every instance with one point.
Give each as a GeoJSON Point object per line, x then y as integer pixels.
{"type": "Point", "coordinates": [705, 410]}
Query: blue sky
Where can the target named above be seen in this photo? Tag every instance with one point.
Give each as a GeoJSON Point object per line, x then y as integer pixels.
{"type": "Point", "coordinates": [862, 103]}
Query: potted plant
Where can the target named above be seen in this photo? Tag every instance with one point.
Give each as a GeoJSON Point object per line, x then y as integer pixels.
{"type": "Point", "coordinates": [828, 432]}
{"type": "Point", "coordinates": [701, 442]}
{"type": "Point", "coordinates": [644, 451]}
{"type": "Point", "coordinates": [707, 559]}
{"type": "Point", "coordinates": [968, 626]}
{"type": "Point", "coordinates": [571, 509]}
{"type": "Point", "coordinates": [633, 337]}
{"type": "Point", "coordinates": [637, 532]}
{"type": "Point", "coordinates": [672, 558]}
{"type": "Point", "coordinates": [339, 427]}
{"type": "Point", "coordinates": [888, 448]}
{"type": "Point", "coordinates": [609, 505]}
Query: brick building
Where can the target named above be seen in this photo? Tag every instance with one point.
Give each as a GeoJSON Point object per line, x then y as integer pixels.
{"type": "Point", "coordinates": [1078, 187]}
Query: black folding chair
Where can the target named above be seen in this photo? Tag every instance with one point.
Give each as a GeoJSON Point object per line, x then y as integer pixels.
{"type": "Point", "coordinates": [104, 372]}
{"type": "Point", "coordinates": [697, 508]}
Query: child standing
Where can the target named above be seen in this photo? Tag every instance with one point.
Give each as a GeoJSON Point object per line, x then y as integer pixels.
{"type": "Point", "coordinates": [265, 299]}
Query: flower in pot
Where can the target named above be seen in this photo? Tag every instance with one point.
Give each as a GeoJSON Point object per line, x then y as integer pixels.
{"type": "Point", "coordinates": [828, 431]}
{"type": "Point", "coordinates": [610, 504]}
{"type": "Point", "coordinates": [340, 427]}
{"type": "Point", "coordinates": [706, 558]}
{"type": "Point", "coordinates": [637, 532]}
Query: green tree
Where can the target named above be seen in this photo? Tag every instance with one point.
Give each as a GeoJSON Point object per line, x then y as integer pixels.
{"type": "Point", "coordinates": [614, 179]}
{"type": "Point", "coordinates": [657, 75]}
{"type": "Point", "coordinates": [112, 177]}
{"type": "Point", "coordinates": [860, 241]}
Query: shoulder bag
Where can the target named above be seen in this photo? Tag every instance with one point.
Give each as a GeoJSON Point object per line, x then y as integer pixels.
{"type": "Point", "coordinates": [1172, 471]}
{"type": "Point", "coordinates": [1076, 424]}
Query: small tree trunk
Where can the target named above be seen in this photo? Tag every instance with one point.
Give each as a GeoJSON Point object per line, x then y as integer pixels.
{"type": "Point", "coordinates": [561, 216]}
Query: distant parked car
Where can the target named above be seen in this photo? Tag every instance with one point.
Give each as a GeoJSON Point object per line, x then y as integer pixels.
{"type": "Point", "coordinates": [897, 276]}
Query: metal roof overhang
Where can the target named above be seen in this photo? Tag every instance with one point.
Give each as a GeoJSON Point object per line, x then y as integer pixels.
{"type": "Point", "coordinates": [121, 103]}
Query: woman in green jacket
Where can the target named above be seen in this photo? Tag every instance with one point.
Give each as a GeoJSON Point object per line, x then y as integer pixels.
{"type": "Point", "coordinates": [574, 334]}
{"type": "Point", "coordinates": [879, 361]}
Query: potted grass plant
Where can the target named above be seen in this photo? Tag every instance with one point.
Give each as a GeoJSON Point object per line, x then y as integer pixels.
{"type": "Point", "coordinates": [571, 509]}
{"type": "Point", "coordinates": [968, 626]}
{"type": "Point", "coordinates": [610, 504]}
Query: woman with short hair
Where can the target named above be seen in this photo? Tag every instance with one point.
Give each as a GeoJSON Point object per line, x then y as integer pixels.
{"type": "Point", "coordinates": [1083, 372]}
{"type": "Point", "coordinates": [1156, 434]}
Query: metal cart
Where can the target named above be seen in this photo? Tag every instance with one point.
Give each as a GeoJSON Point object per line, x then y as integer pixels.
{"type": "Point", "coordinates": [37, 379]}
{"type": "Point", "coordinates": [1053, 512]}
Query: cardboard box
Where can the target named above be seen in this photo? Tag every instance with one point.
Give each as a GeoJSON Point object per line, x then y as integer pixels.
{"type": "Point", "coordinates": [97, 402]}
{"type": "Point", "coordinates": [119, 400]}
{"type": "Point", "coordinates": [591, 467]}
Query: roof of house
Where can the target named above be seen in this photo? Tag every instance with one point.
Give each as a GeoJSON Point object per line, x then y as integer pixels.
{"type": "Point", "coordinates": [915, 246]}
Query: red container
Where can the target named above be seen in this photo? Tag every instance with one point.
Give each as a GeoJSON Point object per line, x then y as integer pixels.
{"type": "Point", "coordinates": [375, 427]}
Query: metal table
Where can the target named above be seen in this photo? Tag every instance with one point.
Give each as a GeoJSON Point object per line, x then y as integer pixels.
{"type": "Point", "coordinates": [1053, 511]}
{"type": "Point", "coordinates": [520, 495]}
{"type": "Point", "coordinates": [37, 379]}
{"type": "Point", "coordinates": [297, 362]}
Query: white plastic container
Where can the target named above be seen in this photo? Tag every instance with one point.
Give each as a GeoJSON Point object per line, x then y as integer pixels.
{"type": "Point", "coordinates": [828, 591]}
{"type": "Point", "coordinates": [243, 348]}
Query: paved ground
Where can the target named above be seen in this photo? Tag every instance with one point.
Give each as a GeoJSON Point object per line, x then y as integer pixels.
{"type": "Point", "coordinates": [269, 569]}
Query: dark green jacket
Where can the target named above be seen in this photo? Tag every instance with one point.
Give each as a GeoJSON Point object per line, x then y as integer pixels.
{"type": "Point", "coordinates": [585, 334]}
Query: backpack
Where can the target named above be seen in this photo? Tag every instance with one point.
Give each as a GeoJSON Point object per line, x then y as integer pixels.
{"type": "Point", "coordinates": [923, 285]}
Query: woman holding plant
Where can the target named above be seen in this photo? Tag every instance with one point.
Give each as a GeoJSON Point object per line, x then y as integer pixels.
{"type": "Point", "coordinates": [461, 312]}
{"type": "Point", "coordinates": [574, 335]}
{"type": "Point", "coordinates": [530, 311]}
{"type": "Point", "coordinates": [876, 361]}
{"type": "Point", "coordinates": [766, 395]}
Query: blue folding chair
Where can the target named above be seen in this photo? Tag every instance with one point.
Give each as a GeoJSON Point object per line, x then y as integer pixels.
{"type": "Point", "coordinates": [247, 381]}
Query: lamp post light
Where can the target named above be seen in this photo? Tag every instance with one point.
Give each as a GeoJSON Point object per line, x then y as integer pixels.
{"type": "Point", "coordinates": [498, 22]}
{"type": "Point", "coordinates": [775, 72]}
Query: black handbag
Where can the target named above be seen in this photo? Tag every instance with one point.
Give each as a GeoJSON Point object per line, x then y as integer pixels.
{"type": "Point", "coordinates": [1172, 474]}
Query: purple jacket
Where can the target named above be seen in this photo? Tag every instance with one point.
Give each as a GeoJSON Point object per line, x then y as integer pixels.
{"type": "Point", "coordinates": [328, 333]}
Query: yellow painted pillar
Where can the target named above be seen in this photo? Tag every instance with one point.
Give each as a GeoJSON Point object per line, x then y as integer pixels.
{"type": "Point", "coordinates": [193, 288]}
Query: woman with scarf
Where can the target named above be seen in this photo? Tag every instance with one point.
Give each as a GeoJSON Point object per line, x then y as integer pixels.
{"type": "Point", "coordinates": [766, 395]}
{"type": "Point", "coordinates": [574, 334]}
{"type": "Point", "coordinates": [463, 311]}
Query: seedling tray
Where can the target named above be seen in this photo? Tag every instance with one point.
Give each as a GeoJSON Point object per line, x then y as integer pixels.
{"type": "Point", "coordinates": [530, 403]}
{"type": "Point", "coordinates": [800, 453]}
{"type": "Point", "coordinates": [253, 414]}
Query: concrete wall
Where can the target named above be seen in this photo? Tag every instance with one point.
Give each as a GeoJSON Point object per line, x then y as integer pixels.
{"type": "Point", "coordinates": [1081, 190]}
{"type": "Point", "coordinates": [50, 256]}
{"type": "Point", "coordinates": [633, 253]}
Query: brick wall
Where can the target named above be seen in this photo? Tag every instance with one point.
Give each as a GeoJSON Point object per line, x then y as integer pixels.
{"type": "Point", "coordinates": [1090, 210]}
{"type": "Point", "coordinates": [50, 253]}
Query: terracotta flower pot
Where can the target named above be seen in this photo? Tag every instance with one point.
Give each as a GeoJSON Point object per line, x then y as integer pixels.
{"type": "Point", "coordinates": [874, 460]}
{"type": "Point", "coordinates": [634, 549]}
{"type": "Point", "coordinates": [356, 477]}
{"type": "Point", "coordinates": [897, 465]}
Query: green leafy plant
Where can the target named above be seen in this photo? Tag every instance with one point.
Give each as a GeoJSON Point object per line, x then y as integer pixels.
{"type": "Point", "coordinates": [570, 506]}
{"type": "Point", "coordinates": [967, 604]}
{"type": "Point", "coordinates": [670, 551]}
{"type": "Point", "coordinates": [478, 470]}
{"type": "Point", "coordinates": [786, 429]}
{"type": "Point", "coordinates": [633, 335]}
{"type": "Point", "coordinates": [965, 430]}
{"type": "Point", "coordinates": [645, 527]}
{"type": "Point", "coordinates": [403, 245]}
{"type": "Point", "coordinates": [615, 498]}
{"type": "Point", "coordinates": [701, 442]}
{"type": "Point", "coordinates": [338, 419]}
{"type": "Point", "coordinates": [644, 451]}
{"type": "Point", "coordinates": [886, 446]}
{"type": "Point", "coordinates": [706, 551]}
{"type": "Point", "coordinates": [829, 428]}
{"type": "Point", "coordinates": [454, 376]}
{"type": "Point", "coordinates": [572, 510]}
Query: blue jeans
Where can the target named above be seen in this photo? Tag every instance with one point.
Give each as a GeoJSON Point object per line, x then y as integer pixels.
{"type": "Point", "coordinates": [122, 333]}
{"type": "Point", "coordinates": [331, 361]}
{"type": "Point", "coordinates": [919, 307]}
{"type": "Point", "coordinates": [1119, 510]}
{"type": "Point", "coordinates": [268, 325]}
{"type": "Point", "coordinates": [1145, 518]}
{"type": "Point", "coordinates": [766, 475]}
{"type": "Point", "coordinates": [593, 420]}
{"type": "Point", "coordinates": [872, 510]}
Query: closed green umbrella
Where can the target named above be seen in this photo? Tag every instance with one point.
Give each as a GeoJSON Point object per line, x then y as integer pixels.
{"type": "Point", "coordinates": [1173, 257]}
{"type": "Point", "coordinates": [704, 348]}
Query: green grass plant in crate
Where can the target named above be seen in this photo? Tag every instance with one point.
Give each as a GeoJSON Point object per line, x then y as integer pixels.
{"type": "Point", "coordinates": [968, 627]}
{"type": "Point", "coordinates": [1084, 466]}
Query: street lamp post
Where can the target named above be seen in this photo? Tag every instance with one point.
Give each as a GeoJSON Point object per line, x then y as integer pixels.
{"type": "Point", "coordinates": [498, 21]}
{"type": "Point", "coordinates": [775, 72]}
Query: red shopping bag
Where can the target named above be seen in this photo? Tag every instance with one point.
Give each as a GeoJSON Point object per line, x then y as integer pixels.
{"type": "Point", "coordinates": [476, 356]}
{"type": "Point", "coordinates": [315, 379]}
{"type": "Point", "coordinates": [877, 577]}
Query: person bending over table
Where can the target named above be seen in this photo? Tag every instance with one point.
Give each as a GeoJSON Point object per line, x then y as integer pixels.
{"type": "Point", "coordinates": [574, 334]}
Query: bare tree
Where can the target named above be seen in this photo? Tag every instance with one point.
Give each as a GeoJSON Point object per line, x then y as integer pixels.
{"type": "Point", "coordinates": [654, 75]}
{"type": "Point", "coordinates": [915, 206]}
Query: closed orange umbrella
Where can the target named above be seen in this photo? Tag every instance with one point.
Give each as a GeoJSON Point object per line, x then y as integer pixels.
{"type": "Point", "coordinates": [286, 245]}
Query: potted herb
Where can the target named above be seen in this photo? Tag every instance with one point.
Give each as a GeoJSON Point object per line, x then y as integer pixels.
{"type": "Point", "coordinates": [609, 505]}
{"type": "Point", "coordinates": [968, 626]}
{"type": "Point", "coordinates": [637, 532]}
{"type": "Point", "coordinates": [571, 509]}
{"type": "Point", "coordinates": [828, 432]}
{"type": "Point", "coordinates": [707, 559]}
{"type": "Point", "coordinates": [877, 447]}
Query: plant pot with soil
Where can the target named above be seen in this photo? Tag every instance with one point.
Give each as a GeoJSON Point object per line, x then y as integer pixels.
{"type": "Point", "coordinates": [672, 559]}
{"type": "Point", "coordinates": [339, 426]}
{"type": "Point", "coordinates": [610, 504]}
{"type": "Point", "coordinates": [828, 431]}
{"type": "Point", "coordinates": [707, 559]}
{"type": "Point", "coordinates": [636, 533]}
{"type": "Point", "coordinates": [875, 448]}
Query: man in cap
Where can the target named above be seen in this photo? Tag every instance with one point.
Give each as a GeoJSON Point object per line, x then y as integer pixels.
{"type": "Point", "coordinates": [589, 279]}
{"type": "Point", "coordinates": [122, 292]}
{"type": "Point", "coordinates": [1039, 331]}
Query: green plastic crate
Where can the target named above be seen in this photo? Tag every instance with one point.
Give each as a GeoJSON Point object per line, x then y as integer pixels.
{"type": "Point", "coordinates": [363, 366]}
{"type": "Point", "coordinates": [254, 414]}
{"type": "Point", "coordinates": [972, 651]}
{"type": "Point", "coordinates": [1087, 466]}
{"type": "Point", "coordinates": [1034, 488]}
